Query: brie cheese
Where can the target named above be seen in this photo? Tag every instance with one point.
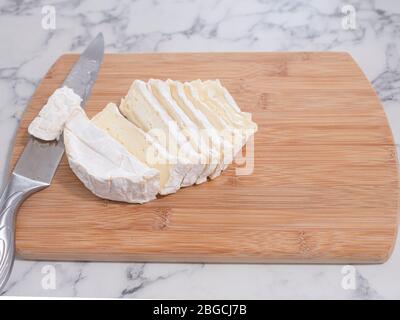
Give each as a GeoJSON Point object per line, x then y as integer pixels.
{"type": "Point", "coordinates": [200, 120]}
{"type": "Point", "coordinates": [241, 127]}
{"type": "Point", "coordinates": [164, 135]}
{"type": "Point", "coordinates": [208, 92]}
{"type": "Point", "coordinates": [104, 166]}
{"type": "Point", "coordinates": [161, 90]}
{"type": "Point", "coordinates": [213, 93]}
{"type": "Point", "coordinates": [229, 137]}
{"type": "Point", "coordinates": [143, 146]}
{"type": "Point", "coordinates": [49, 123]}
{"type": "Point", "coordinates": [143, 109]}
{"type": "Point", "coordinates": [217, 90]}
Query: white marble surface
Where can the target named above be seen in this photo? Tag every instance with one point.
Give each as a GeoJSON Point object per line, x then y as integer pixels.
{"type": "Point", "coordinates": [27, 51]}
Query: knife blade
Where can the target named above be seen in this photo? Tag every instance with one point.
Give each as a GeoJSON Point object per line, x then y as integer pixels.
{"type": "Point", "coordinates": [39, 160]}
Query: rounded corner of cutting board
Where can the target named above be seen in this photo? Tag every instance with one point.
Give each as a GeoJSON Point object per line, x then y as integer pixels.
{"type": "Point", "coordinates": [319, 193]}
{"type": "Point", "coordinates": [391, 144]}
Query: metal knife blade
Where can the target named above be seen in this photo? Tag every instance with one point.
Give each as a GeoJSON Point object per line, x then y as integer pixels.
{"type": "Point", "coordinates": [40, 159]}
{"type": "Point", "coordinates": [38, 162]}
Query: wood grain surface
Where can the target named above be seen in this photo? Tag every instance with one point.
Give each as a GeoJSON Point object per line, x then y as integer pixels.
{"type": "Point", "coordinates": [324, 187]}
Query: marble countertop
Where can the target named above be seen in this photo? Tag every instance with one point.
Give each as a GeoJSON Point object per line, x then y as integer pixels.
{"type": "Point", "coordinates": [31, 40]}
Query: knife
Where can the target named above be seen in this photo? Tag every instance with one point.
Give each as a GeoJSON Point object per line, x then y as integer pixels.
{"type": "Point", "coordinates": [39, 161]}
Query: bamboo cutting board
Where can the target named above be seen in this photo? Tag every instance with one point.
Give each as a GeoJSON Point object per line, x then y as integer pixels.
{"type": "Point", "coordinates": [324, 187]}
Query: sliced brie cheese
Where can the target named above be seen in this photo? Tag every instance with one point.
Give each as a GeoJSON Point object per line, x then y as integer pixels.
{"type": "Point", "coordinates": [143, 109]}
{"type": "Point", "coordinates": [224, 100]}
{"type": "Point", "coordinates": [217, 90]}
{"type": "Point", "coordinates": [143, 146]}
{"type": "Point", "coordinates": [231, 139]}
{"type": "Point", "coordinates": [49, 123]}
{"type": "Point", "coordinates": [161, 90]}
{"type": "Point", "coordinates": [210, 93]}
{"type": "Point", "coordinates": [209, 132]}
{"type": "Point", "coordinates": [241, 127]}
{"type": "Point", "coordinates": [104, 166]}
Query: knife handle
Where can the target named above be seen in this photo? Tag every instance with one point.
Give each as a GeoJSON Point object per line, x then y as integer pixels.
{"type": "Point", "coordinates": [16, 191]}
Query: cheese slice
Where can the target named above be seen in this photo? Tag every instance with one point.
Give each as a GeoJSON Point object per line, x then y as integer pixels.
{"type": "Point", "coordinates": [161, 90]}
{"type": "Point", "coordinates": [209, 132]}
{"type": "Point", "coordinates": [217, 90]}
{"type": "Point", "coordinates": [143, 147]}
{"type": "Point", "coordinates": [211, 92]}
{"type": "Point", "coordinates": [232, 139]}
{"type": "Point", "coordinates": [218, 95]}
{"type": "Point", "coordinates": [241, 127]}
{"type": "Point", "coordinates": [49, 123]}
{"type": "Point", "coordinates": [104, 166]}
{"type": "Point", "coordinates": [143, 109]}
{"type": "Point", "coordinates": [224, 100]}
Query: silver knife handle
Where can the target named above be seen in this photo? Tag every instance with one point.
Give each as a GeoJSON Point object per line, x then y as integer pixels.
{"type": "Point", "coordinates": [15, 192]}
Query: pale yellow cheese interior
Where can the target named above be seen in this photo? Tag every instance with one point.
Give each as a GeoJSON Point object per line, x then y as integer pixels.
{"type": "Point", "coordinates": [135, 140]}
{"type": "Point", "coordinates": [161, 91]}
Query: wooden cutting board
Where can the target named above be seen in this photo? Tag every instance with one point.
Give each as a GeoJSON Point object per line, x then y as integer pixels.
{"type": "Point", "coordinates": [324, 187]}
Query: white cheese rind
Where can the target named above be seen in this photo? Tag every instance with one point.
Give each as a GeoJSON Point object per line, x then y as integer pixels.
{"type": "Point", "coordinates": [218, 90]}
{"type": "Point", "coordinates": [230, 146]}
{"type": "Point", "coordinates": [219, 96]}
{"type": "Point", "coordinates": [143, 146]}
{"type": "Point", "coordinates": [214, 141]}
{"type": "Point", "coordinates": [143, 109]}
{"type": "Point", "coordinates": [104, 166]}
{"type": "Point", "coordinates": [238, 123]}
{"type": "Point", "coordinates": [49, 123]}
{"type": "Point", "coordinates": [161, 90]}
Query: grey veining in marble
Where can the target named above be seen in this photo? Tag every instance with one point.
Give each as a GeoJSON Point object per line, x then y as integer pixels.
{"type": "Point", "coordinates": [27, 50]}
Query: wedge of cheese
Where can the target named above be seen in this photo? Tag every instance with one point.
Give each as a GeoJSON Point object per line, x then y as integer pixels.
{"type": "Point", "coordinates": [214, 95]}
{"type": "Point", "coordinates": [231, 139]}
{"type": "Point", "coordinates": [239, 124]}
{"type": "Point", "coordinates": [161, 90]}
{"type": "Point", "coordinates": [208, 131]}
{"type": "Point", "coordinates": [104, 166]}
{"type": "Point", "coordinates": [143, 109]}
{"type": "Point", "coordinates": [49, 123]}
{"type": "Point", "coordinates": [217, 90]}
{"type": "Point", "coordinates": [143, 147]}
